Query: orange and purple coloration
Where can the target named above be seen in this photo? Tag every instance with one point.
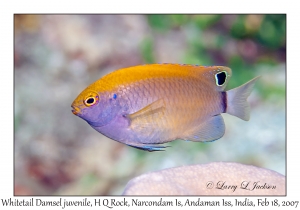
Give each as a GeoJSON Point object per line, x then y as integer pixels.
{"type": "Point", "coordinates": [143, 106]}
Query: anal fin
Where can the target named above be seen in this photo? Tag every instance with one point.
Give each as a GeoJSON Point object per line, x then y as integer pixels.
{"type": "Point", "coordinates": [210, 130]}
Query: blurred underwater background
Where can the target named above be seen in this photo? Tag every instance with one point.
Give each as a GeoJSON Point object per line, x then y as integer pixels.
{"type": "Point", "coordinates": [57, 56]}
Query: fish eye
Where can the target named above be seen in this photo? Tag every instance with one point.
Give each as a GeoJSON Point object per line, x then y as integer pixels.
{"type": "Point", "coordinates": [221, 78]}
{"type": "Point", "coordinates": [91, 100]}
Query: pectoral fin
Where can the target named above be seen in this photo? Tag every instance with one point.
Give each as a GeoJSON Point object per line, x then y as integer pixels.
{"type": "Point", "coordinates": [149, 113]}
{"type": "Point", "coordinates": [148, 121]}
{"type": "Point", "coordinates": [211, 130]}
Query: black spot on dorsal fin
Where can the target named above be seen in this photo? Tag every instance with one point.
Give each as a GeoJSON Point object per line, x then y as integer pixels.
{"type": "Point", "coordinates": [221, 78]}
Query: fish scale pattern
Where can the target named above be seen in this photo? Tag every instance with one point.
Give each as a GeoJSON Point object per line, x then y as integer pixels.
{"type": "Point", "coordinates": [185, 106]}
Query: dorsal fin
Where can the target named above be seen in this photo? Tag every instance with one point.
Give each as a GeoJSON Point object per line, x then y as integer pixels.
{"type": "Point", "coordinates": [217, 76]}
{"type": "Point", "coordinates": [129, 75]}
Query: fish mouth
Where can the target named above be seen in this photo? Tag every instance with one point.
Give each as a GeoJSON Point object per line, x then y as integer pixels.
{"type": "Point", "coordinates": [75, 110]}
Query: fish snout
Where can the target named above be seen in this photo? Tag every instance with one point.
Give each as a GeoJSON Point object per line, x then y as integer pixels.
{"type": "Point", "coordinates": [75, 110]}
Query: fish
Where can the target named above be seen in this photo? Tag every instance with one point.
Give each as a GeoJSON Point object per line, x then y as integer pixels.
{"type": "Point", "coordinates": [148, 105]}
{"type": "Point", "coordinates": [215, 178]}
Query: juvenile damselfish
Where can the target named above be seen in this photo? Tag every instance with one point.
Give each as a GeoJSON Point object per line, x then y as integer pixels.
{"type": "Point", "coordinates": [144, 106]}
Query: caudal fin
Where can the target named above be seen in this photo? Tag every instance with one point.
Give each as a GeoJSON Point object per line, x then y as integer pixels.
{"type": "Point", "coordinates": [237, 104]}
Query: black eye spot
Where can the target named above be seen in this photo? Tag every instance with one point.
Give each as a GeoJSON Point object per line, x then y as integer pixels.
{"type": "Point", "coordinates": [221, 78]}
{"type": "Point", "coordinates": [90, 101]}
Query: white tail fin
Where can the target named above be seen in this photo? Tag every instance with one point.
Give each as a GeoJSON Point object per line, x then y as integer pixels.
{"type": "Point", "coordinates": [237, 104]}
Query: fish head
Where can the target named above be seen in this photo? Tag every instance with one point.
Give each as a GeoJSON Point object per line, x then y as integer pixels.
{"type": "Point", "coordinates": [98, 108]}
